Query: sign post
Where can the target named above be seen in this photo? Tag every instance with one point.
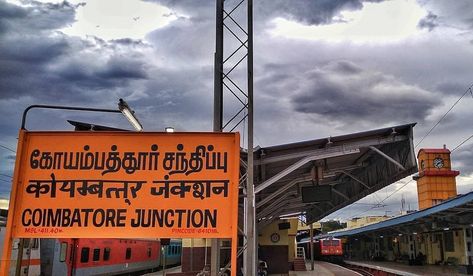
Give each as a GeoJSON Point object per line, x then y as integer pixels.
{"type": "Point", "coordinates": [124, 185]}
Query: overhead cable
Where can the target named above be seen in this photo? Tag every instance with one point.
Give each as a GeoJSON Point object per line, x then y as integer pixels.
{"type": "Point", "coordinates": [463, 142]}
{"type": "Point", "coordinates": [469, 89]}
{"type": "Point", "coordinates": [7, 148]}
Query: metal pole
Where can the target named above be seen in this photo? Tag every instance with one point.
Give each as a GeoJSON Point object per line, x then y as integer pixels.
{"type": "Point", "coordinates": [311, 247]}
{"type": "Point", "coordinates": [164, 260]}
{"type": "Point", "coordinates": [192, 254]}
{"type": "Point", "coordinates": [19, 258]}
{"type": "Point", "coordinates": [205, 253]}
{"type": "Point", "coordinates": [23, 119]}
{"type": "Point", "coordinates": [251, 255]}
{"type": "Point", "coordinates": [218, 115]}
{"type": "Point", "coordinates": [218, 68]}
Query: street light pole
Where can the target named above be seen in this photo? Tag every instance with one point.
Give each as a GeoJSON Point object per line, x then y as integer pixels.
{"type": "Point", "coordinates": [123, 108]}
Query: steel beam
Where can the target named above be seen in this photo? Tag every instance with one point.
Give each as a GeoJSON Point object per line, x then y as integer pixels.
{"type": "Point", "coordinates": [340, 193]}
{"type": "Point", "coordinates": [356, 179]}
{"type": "Point", "coordinates": [288, 208]}
{"type": "Point", "coordinates": [300, 163]}
{"type": "Point", "coordinates": [266, 211]}
{"type": "Point", "coordinates": [345, 147]}
{"type": "Point", "coordinates": [281, 190]}
{"type": "Point", "coordinates": [274, 204]}
{"type": "Point", "coordinates": [375, 149]}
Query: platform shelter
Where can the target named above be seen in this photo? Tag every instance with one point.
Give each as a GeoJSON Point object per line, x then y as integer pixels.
{"type": "Point", "coordinates": [440, 235]}
{"type": "Point", "coordinates": [345, 168]}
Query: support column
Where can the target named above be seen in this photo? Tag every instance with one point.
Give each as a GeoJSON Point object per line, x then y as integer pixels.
{"type": "Point", "coordinates": [311, 247]}
{"type": "Point", "coordinates": [218, 114]}
{"type": "Point", "coordinates": [251, 254]}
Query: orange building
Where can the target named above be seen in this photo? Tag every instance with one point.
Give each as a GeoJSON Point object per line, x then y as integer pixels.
{"type": "Point", "coordinates": [436, 179]}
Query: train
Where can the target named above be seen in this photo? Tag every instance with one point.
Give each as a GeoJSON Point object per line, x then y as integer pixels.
{"type": "Point", "coordinates": [326, 249]}
{"type": "Point", "coordinates": [80, 257]}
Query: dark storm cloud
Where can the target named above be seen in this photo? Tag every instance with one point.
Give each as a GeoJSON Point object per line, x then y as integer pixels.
{"type": "Point", "coordinates": [117, 68]}
{"type": "Point", "coordinates": [306, 11]}
{"type": "Point", "coordinates": [37, 16]}
{"type": "Point", "coordinates": [185, 42]}
{"type": "Point", "coordinates": [343, 91]}
{"type": "Point", "coordinates": [463, 158]}
{"type": "Point", "coordinates": [455, 14]}
{"type": "Point", "coordinates": [128, 42]}
{"type": "Point", "coordinates": [179, 98]}
{"type": "Point", "coordinates": [429, 22]}
{"type": "Point", "coordinates": [38, 60]}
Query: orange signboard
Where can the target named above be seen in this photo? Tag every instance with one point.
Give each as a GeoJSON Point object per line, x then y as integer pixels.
{"type": "Point", "coordinates": [126, 184]}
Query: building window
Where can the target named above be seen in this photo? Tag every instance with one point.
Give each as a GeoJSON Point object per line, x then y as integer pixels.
{"type": "Point", "coordinates": [468, 232]}
{"type": "Point", "coordinates": [468, 245]}
{"type": "Point", "coordinates": [436, 201]}
{"type": "Point", "coordinates": [84, 255]}
{"type": "Point", "coordinates": [128, 253]}
{"type": "Point", "coordinates": [63, 252]}
{"type": "Point", "coordinates": [106, 253]}
{"type": "Point", "coordinates": [96, 255]}
{"type": "Point", "coordinates": [449, 242]}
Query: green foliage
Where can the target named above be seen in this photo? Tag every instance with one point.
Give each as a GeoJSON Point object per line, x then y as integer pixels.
{"type": "Point", "coordinates": [332, 225]}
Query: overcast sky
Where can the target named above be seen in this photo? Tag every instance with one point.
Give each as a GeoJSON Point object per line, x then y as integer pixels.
{"type": "Point", "coordinates": [322, 67]}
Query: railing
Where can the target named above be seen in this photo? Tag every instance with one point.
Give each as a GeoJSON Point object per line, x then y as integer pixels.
{"type": "Point", "coordinates": [300, 252]}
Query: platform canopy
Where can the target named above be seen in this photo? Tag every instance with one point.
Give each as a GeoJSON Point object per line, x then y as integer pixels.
{"type": "Point", "coordinates": [345, 168]}
{"type": "Point", "coordinates": [453, 213]}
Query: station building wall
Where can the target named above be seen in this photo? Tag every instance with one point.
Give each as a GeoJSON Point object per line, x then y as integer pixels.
{"type": "Point", "coordinates": [277, 247]}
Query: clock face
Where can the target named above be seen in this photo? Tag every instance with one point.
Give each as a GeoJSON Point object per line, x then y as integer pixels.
{"type": "Point", "coordinates": [438, 163]}
{"type": "Point", "coordinates": [275, 237]}
{"type": "Point", "coordinates": [422, 164]}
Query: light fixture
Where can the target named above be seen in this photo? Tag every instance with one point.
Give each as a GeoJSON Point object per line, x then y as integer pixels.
{"type": "Point", "coordinates": [446, 229]}
{"type": "Point", "coordinates": [129, 114]}
{"type": "Point", "coordinates": [169, 129]}
{"type": "Point", "coordinates": [329, 142]}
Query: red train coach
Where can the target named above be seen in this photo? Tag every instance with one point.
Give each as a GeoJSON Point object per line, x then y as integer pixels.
{"type": "Point", "coordinates": [328, 249]}
{"type": "Point", "coordinates": [98, 256]}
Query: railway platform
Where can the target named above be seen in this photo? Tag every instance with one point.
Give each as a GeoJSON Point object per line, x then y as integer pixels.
{"type": "Point", "coordinates": [323, 269]}
{"type": "Point", "coordinates": [393, 268]}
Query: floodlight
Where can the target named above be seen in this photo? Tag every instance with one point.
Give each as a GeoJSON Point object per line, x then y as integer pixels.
{"type": "Point", "coordinates": [169, 129]}
{"type": "Point", "coordinates": [129, 114]}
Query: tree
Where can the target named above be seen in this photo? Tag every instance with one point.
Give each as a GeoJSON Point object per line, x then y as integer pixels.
{"type": "Point", "coordinates": [332, 225]}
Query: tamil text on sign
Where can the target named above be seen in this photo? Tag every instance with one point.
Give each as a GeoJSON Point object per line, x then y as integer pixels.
{"type": "Point", "coordinates": [124, 184]}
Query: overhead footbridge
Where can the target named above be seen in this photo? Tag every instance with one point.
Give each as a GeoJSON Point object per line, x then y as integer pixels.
{"type": "Point", "coordinates": [320, 176]}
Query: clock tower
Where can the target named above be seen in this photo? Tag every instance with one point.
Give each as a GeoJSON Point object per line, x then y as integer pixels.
{"type": "Point", "coordinates": [436, 180]}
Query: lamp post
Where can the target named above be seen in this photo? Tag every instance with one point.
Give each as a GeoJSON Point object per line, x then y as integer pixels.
{"type": "Point", "coordinates": [129, 114]}
{"type": "Point", "coordinates": [122, 108]}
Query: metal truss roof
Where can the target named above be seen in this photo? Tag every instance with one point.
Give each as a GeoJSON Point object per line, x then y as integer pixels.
{"type": "Point", "coordinates": [452, 213]}
{"type": "Point", "coordinates": [354, 165]}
